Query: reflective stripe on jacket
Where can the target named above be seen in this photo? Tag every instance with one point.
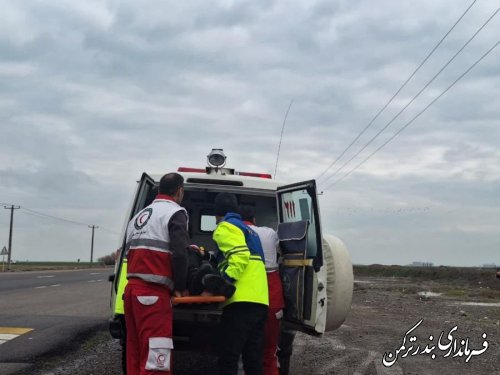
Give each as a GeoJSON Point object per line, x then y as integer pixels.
{"type": "Point", "coordinates": [148, 243]}
{"type": "Point", "coordinates": [243, 260]}
{"type": "Point", "coordinates": [122, 282]}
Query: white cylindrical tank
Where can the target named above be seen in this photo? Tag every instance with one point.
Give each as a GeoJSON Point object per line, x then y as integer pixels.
{"type": "Point", "coordinates": [339, 283]}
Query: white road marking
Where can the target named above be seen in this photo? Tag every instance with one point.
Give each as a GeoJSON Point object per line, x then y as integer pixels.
{"type": "Point", "coordinates": [45, 286]}
{"type": "Point", "coordinates": [91, 281]}
{"type": "Point", "coordinates": [95, 273]}
{"type": "Point", "coordinates": [10, 333]}
{"type": "Point", "coordinates": [7, 336]}
{"type": "Point", "coordinates": [43, 277]}
{"type": "Point", "coordinates": [100, 280]}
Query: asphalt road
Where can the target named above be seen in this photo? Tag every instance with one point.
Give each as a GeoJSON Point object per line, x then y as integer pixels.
{"type": "Point", "coordinates": [44, 311]}
{"type": "Point", "coordinates": [383, 310]}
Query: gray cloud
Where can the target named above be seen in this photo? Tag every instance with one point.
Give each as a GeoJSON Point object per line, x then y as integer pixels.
{"type": "Point", "coordinates": [92, 94]}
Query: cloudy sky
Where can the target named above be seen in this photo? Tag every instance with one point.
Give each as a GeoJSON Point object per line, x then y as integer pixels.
{"type": "Point", "coordinates": [93, 93]}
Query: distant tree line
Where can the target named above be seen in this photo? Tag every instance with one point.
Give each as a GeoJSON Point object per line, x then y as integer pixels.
{"type": "Point", "coordinates": [108, 260]}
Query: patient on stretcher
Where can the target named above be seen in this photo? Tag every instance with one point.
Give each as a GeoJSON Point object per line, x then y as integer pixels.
{"type": "Point", "coordinates": [203, 277]}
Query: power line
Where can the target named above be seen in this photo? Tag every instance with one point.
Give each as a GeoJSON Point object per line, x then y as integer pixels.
{"type": "Point", "coordinates": [418, 114]}
{"type": "Point", "coordinates": [41, 214]}
{"type": "Point", "coordinates": [54, 217]}
{"type": "Point", "coordinates": [415, 97]}
{"type": "Point", "coordinates": [397, 92]}
{"type": "Point", "coordinates": [109, 230]}
{"type": "Point", "coordinates": [24, 212]}
{"type": "Point", "coordinates": [281, 137]}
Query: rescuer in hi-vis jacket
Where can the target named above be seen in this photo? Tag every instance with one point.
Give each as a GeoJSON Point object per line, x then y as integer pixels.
{"type": "Point", "coordinates": [270, 245]}
{"type": "Point", "coordinates": [157, 244]}
{"type": "Point", "coordinates": [244, 314]}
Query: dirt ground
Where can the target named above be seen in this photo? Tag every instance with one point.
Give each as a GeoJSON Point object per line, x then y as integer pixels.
{"type": "Point", "coordinates": [384, 308]}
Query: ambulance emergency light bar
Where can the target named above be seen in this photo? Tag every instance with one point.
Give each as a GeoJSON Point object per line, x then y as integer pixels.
{"type": "Point", "coordinates": [216, 158]}
{"type": "Point", "coordinates": [246, 174]}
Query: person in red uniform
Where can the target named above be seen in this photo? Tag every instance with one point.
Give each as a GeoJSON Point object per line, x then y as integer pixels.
{"type": "Point", "coordinates": [270, 244]}
{"type": "Point", "coordinates": [157, 243]}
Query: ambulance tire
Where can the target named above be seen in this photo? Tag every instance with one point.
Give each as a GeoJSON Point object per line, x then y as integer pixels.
{"type": "Point", "coordinates": [339, 281]}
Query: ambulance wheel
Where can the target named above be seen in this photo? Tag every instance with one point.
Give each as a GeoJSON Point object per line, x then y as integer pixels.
{"type": "Point", "coordinates": [339, 282]}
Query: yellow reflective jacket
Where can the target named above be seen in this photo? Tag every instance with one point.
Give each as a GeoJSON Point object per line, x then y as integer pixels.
{"type": "Point", "coordinates": [242, 260]}
{"type": "Point", "coordinates": [122, 282]}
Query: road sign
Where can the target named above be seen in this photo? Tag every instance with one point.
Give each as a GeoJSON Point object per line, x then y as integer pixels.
{"type": "Point", "coordinates": [4, 251]}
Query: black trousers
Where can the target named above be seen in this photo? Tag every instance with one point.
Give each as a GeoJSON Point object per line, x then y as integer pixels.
{"type": "Point", "coordinates": [198, 266]}
{"type": "Point", "coordinates": [285, 348]}
{"type": "Point", "coordinates": [242, 333]}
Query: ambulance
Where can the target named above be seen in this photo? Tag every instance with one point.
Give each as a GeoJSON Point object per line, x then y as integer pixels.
{"type": "Point", "coordinates": [317, 282]}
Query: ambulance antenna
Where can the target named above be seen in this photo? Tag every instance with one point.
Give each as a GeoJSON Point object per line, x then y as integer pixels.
{"type": "Point", "coordinates": [281, 138]}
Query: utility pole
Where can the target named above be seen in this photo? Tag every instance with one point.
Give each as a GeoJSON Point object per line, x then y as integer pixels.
{"type": "Point", "coordinates": [11, 208]}
{"type": "Point", "coordinates": [92, 244]}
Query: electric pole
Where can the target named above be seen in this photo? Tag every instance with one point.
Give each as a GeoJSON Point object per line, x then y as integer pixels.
{"type": "Point", "coordinates": [11, 208]}
{"type": "Point", "coordinates": [92, 243]}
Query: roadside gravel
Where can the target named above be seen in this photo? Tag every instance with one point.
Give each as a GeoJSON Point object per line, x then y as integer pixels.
{"type": "Point", "coordinates": [383, 310]}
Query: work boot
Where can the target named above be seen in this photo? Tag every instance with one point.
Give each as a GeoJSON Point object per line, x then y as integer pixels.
{"type": "Point", "coordinates": [196, 284]}
{"type": "Point", "coordinates": [218, 286]}
{"type": "Point", "coordinates": [284, 366]}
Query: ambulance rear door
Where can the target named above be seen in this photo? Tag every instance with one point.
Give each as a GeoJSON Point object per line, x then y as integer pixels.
{"type": "Point", "coordinates": [145, 193]}
{"type": "Point", "coordinates": [301, 265]}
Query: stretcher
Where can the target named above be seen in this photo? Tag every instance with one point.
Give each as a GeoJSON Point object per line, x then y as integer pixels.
{"type": "Point", "coordinates": [197, 299]}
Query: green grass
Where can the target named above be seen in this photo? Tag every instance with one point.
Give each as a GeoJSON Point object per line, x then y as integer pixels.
{"type": "Point", "coordinates": [461, 276]}
{"type": "Point", "coordinates": [38, 266]}
{"type": "Point", "coordinates": [476, 284]}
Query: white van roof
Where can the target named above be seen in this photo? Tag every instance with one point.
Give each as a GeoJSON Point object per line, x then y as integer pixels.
{"type": "Point", "coordinates": [206, 177]}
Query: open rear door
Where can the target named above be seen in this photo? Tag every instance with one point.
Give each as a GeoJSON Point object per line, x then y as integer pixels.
{"type": "Point", "coordinates": [144, 195]}
{"type": "Point", "coordinates": [301, 269]}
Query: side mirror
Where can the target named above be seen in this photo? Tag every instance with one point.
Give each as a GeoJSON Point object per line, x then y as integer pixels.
{"type": "Point", "coordinates": [111, 278]}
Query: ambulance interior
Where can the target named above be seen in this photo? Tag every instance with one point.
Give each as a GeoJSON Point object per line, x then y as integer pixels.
{"type": "Point", "coordinates": [200, 207]}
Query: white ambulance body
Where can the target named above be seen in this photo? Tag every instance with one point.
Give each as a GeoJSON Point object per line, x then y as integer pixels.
{"type": "Point", "coordinates": [323, 285]}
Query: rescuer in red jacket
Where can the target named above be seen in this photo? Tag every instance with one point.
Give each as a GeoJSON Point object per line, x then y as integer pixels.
{"type": "Point", "coordinates": [270, 244]}
{"type": "Point", "coordinates": [157, 243]}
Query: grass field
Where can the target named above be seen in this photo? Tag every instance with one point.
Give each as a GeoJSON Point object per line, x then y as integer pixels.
{"type": "Point", "coordinates": [460, 275]}
{"type": "Point", "coordinates": [38, 266]}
